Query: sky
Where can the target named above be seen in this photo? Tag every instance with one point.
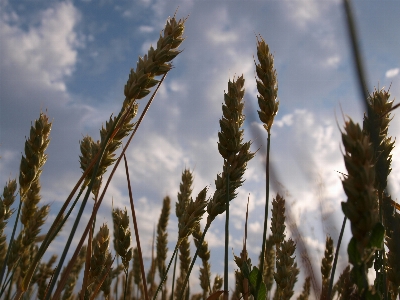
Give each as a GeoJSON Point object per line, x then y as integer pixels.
{"type": "Point", "coordinates": [72, 60]}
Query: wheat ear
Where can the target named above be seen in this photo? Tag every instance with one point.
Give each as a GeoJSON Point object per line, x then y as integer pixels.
{"type": "Point", "coordinates": [122, 236]}
{"type": "Point", "coordinates": [286, 270]}
{"type": "Point", "coordinates": [44, 272]}
{"type": "Point", "coordinates": [100, 259]}
{"type": "Point", "coordinates": [278, 221]}
{"type": "Point", "coordinates": [236, 154]}
{"type": "Point", "coordinates": [204, 254]}
{"type": "Point", "coordinates": [306, 289]}
{"type": "Point", "coordinates": [137, 275]}
{"type": "Point", "coordinates": [6, 201]}
{"type": "Point", "coordinates": [184, 197]}
{"type": "Point", "coordinates": [73, 275]}
{"type": "Point", "coordinates": [30, 170]}
{"type": "Point", "coordinates": [190, 218]}
{"type": "Point", "coordinates": [345, 286]}
{"type": "Point", "coordinates": [361, 207]}
{"type": "Point", "coordinates": [30, 232]}
{"type": "Point", "coordinates": [376, 125]}
{"type": "Point", "coordinates": [326, 267]}
{"type": "Point", "coordinates": [162, 236]}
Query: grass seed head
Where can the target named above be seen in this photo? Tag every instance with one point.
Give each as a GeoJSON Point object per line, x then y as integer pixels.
{"type": "Point", "coordinates": [376, 126]}
{"type": "Point", "coordinates": [306, 289]}
{"type": "Point", "coordinates": [362, 203]}
{"type": "Point", "coordinates": [236, 154]}
{"type": "Point", "coordinates": [184, 194]}
{"type": "Point", "coordinates": [278, 220]}
{"type": "Point", "coordinates": [326, 266]}
{"type": "Point", "coordinates": [286, 269]}
{"type": "Point", "coordinates": [155, 62]}
{"type": "Point", "coordinates": [122, 236]}
{"type": "Point", "coordinates": [266, 85]}
{"type": "Point", "coordinates": [35, 157]}
{"type": "Point", "coordinates": [162, 235]}
{"type": "Point", "coordinates": [192, 215]}
{"type": "Point", "coordinates": [101, 253]}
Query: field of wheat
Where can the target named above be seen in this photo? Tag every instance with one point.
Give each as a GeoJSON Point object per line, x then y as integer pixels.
{"type": "Point", "coordinates": [105, 266]}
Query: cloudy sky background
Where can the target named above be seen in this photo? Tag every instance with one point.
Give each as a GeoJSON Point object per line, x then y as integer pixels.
{"type": "Point", "coordinates": [72, 58]}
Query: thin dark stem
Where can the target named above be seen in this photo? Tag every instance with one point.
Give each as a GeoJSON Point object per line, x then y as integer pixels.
{"type": "Point", "coordinates": [166, 272]}
{"type": "Point", "coordinates": [126, 283]}
{"type": "Point", "coordinates": [336, 258]}
{"type": "Point", "coordinates": [351, 27]}
{"type": "Point", "coordinates": [226, 286]}
{"type": "Point", "coordinates": [173, 277]}
{"type": "Point", "coordinates": [259, 277]}
{"type": "Point", "coordinates": [193, 260]}
{"type": "Point", "coordinates": [136, 231]}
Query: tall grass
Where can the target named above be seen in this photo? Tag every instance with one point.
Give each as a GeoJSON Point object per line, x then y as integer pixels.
{"type": "Point", "coordinates": [369, 209]}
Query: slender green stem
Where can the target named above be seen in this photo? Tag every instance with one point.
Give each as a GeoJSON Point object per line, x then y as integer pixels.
{"type": "Point", "coordinates": [336, 258]}
{"type": "Point", "coordinates": [193, 260]}
{"type": "Point", "coordinates": [116, 290]}
{"type": "Point", "coordinates": [261, 271]}
{"type": "Point", "coordinates": [166, 271]}
{"type": "Point", "coordinates": [126, 283]}
{"type": "Point", "coordinates": [226, 286]}
{"type": "Point", "coordinates": [173, 276]}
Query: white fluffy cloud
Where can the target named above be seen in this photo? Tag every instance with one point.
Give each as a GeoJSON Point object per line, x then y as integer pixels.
{"type": "Point", "coordinates": [392, 72]}
{"type": "Point", "coordinates": [45, 54]}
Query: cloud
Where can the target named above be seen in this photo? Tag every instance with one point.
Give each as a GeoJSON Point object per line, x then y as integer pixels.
{"type": "Point", "coordinates": [44, 54]}
{"type": "Point", "coordinates": [392, 72]}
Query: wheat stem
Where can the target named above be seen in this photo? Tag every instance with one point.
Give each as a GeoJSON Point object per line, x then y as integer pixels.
{"type": "Point", "coordinates": [336, 257]}
{"type": "Point", "coordinates": [259, 277]}
{"type": "Point", "coordinates": [173, 275]}
{"type": "Point", "coordinates": [136, 230]}
{"type": "Point", "coordinates": [226, 286]}
{"type": "Point", "coordinates": [166, 272]}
